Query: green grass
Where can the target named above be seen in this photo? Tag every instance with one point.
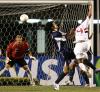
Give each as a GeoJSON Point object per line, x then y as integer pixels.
{"type": "Point", "coordinates": [47, 89]}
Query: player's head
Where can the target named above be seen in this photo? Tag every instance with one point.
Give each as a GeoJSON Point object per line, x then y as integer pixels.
{"type": "Point", "coordinates": [54, 26]}
{"type": "Point", "coordinates": [51, 26]}
{"type": "Point", "coordinates": [19, 39]}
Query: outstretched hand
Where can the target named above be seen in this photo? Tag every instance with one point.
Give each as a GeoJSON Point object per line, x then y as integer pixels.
{"type": "Point", "coordinates": [70, 34]}
{"type": "Point", "coordinates": [90, 8]}
{"type": "Point", "coordinates": [89, 3]}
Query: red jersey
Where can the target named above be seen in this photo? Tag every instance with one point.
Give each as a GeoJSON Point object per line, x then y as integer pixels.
{"type": "Point", "coordinates": [17, 51]}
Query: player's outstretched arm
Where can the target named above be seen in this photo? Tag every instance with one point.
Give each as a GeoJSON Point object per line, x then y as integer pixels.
{"type": "Point", "coordinates": [8, 51]}
{"type": "Point", "coordinates": [89, 9]}
{"type": "Point", "coordinates": [71, 34]}
{"type": "Point", "coordinates": [91, 36]}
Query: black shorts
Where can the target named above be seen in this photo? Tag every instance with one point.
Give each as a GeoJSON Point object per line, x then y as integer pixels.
{"type": "Point", "coordinates": [20, 62]}
{"type": "Point", "coordinates": [68, 55]}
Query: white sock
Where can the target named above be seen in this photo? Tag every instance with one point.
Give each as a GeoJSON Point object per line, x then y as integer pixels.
{"type": "Point", "coordinates": [30, 76]}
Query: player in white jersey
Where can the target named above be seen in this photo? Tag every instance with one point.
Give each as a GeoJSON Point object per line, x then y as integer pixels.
{"type": "Point", "coordinates": [81, 39]}
{"type": "Point", "coordinates": [81, 34]}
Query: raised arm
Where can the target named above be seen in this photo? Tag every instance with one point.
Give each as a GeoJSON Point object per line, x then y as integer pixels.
{"type": "Point", "coordinates": [91, 36]}
{"type": "Point", "coordinates": [71, 34]}
{"type": "Point", "coordinates": [9, 51]}
{"type": "Point", "coordinates": [89, 9]}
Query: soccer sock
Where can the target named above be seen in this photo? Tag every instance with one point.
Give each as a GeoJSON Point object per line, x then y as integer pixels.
{"type": "Point", "coordinates": [85, 77]}
{"type": "Point", "coordinates": [30, 76]}
{"type": "Point", "coordinates": [60, 77]}
{"type": "Point", "coordinates": [71, 74]}
{"type": "Point", "coordinates": [88, 63]}
{"type": "Point", "coordinates": [3, 70]}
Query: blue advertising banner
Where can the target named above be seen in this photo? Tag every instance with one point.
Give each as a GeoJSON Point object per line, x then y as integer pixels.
{"type": "Point", "coordinates": [43, 68]}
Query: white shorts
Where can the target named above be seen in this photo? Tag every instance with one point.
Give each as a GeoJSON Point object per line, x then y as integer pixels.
{"type": "Point", "coordinates": [80, 50]}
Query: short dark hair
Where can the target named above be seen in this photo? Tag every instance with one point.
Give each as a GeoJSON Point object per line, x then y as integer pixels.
{"type": "Point", "coordinates": [48, 26]}
{"type": "Point", "coordinates": [19, 36]}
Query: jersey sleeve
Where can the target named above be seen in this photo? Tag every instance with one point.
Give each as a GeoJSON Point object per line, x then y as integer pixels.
{"type": "Point", "coordinates": [8, 51]}
{"type": "Point", "coordinates": [85, 23]}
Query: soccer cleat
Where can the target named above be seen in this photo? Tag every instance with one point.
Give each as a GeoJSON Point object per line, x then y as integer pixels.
{"type": "Point", "coordinates": [91, 86]}
{"type": "Point", "coordinates": [86, 85]}
{"type": "Point", "coordinates": [56, 86]}
{"type": "Point", "coordinates": [32, 83]}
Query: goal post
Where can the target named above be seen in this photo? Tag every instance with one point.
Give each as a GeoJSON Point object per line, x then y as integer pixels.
{"type": "Point", "coordinates": [45, 1]}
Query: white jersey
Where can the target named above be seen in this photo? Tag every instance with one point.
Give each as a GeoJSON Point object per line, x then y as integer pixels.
{"type": "Point", "coordinates": [81, 31]}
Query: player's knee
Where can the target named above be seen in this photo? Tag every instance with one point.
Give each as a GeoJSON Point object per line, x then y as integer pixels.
{"type": "Point", "coordinates": [25, 67]}
{"type": "Point", "coordinates": [28, 70]}
{"type": "Point", "coordinates": [72, 65]}
{"type": "Point", "coordinates": [65, 70]}
{"type": "Point", "coordinates": [82, 67]}
{"type": "Point", "coordinates": [7, 66]}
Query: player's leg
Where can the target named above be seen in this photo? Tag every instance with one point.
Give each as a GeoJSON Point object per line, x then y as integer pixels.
{"type": "Point", "coordinates": [80, 55]}
{"type": "Point", "coordinates": [83, 71]}
{"type": "Point", "coordinates": [60, 77]}
{"type": "Point", "coordinates": [9, 64]}
{"type": "Point", "coordinates": [66, 55]}
{"type": "Point", "coordinates": [6, 68]}
{"type": "Point", "coordinates": [26, 68]}
{"type": "Point", "coordinates": [88, 63]}
{"type": "Point", "coordinates": [63, 74]}
{"type": "Point", "coordinates": [24, 65]}
{"type": "Point", "coordinates": [72, 66]}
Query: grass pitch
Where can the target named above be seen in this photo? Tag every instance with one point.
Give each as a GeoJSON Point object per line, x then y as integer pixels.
{"type": "Point", "coordinates": [47, 89]}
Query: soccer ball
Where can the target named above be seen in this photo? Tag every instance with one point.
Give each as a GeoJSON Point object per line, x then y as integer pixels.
{"type": "Point", "coordinates": [24, 17]}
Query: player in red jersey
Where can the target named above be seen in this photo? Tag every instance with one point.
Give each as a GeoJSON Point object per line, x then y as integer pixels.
{"type": "Point", "coordinates": [16, 51]}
